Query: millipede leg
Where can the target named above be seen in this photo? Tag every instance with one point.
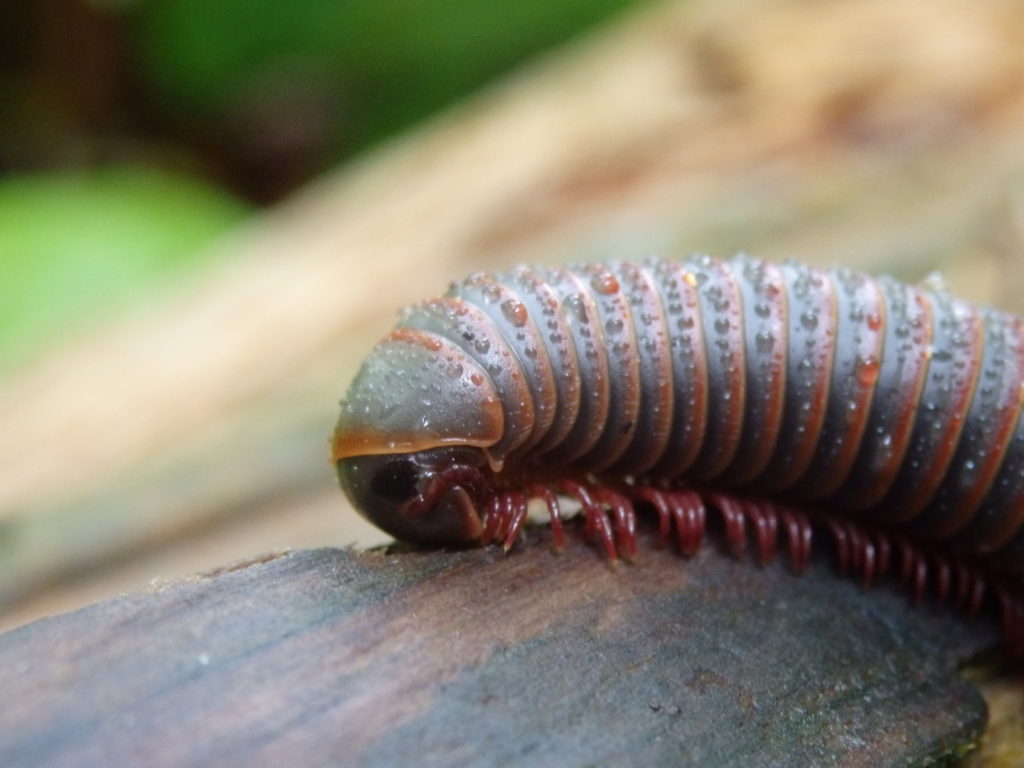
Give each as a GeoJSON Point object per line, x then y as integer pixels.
{"type": "Point", "coordinates": [683, 510]}
{"type": "Point", "coordinates": [690, 516]}
{"type": "Point", "coordinates": [856, 545]}
{"type": "Point", "coordinates": [943, 577]}
{"type": "Point", "coordinates": [920, 578]}
{"type": "Point", "coordinates": [596, 523]}
{"type": "Point", "coordinates": [799, 537]}
{"type": "Point", "coordinates": [838, 531]}
{"type": "Point", "coordinates": [884, 549]}
{"type": "Point", "coordinates": [554, 514]}
{"type": "Point", "coordinates": [625, 521]}
{"type": "Point", "coordinates": [658, 500]}
{"type": "Point", "coordinates": [735, 529]}
{"type": "Point", "coordinates": [908, 557]}
{"type": "Point", "coordinates": [504, 516]}
{"type": "Point", "coordinates": [518, 506]}
{"type": "Point", "coordinates": [870, 563]}
{"type": "Point", "coordinates": [492, 514]}
{"type": "Point", "coordinates": [697, 519]}
{"type": "Point", "coordinates": [766, 526]}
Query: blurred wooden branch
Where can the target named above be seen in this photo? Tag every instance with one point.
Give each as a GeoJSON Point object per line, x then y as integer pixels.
{"type": "Point", "coordinates": [326, 657]}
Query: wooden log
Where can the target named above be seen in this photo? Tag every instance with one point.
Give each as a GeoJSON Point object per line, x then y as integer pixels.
{"type": "Point", "coordinates": [332, 657]}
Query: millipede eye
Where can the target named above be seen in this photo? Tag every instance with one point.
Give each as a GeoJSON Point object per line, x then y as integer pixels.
{"type": "Point", "coordinates": [396, 480]}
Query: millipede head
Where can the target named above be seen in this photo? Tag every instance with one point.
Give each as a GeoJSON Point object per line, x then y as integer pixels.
{"type": "Point", "coordinates": [434, 497]}
{"type": "Point", "coordinates": [411, 444]}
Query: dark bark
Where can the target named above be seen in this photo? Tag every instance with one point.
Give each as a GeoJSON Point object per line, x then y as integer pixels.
{"type": "Point", "coordinates": [331, 657]}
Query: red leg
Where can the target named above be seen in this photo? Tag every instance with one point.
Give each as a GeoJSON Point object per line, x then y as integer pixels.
{"type": "Point", "coordinates": [697, 516]}
{"type": "Point", "coordinates": [518, 505]}
{"type": "Point", "coordinates": [799, 537]}
{"type": "Point", "coordinates": [735, 530]}
{"type": "Point", "coordinates": [625, 521]}
{"type": "Point", "coordinates": [908, 557]}
{"type": "Point", "coordinates": [554, 513]}
{"type": "Point", "coordinates": [920, 578]}
{"type": "Point", "coordinates": [596, 522]}
{"type": "Point", "coordinates": [685, 521]}
{"type": "Point", "coordinates": [492, 515]}
{"type": "Point", "coordinates": [838, 531]}
{"type": "Point", "coordinates": [884, 549]}
{"type": "Point", "coordinates": [869, 561]}
{"type": "Point", "coordinates": [765, 528]}
{"type": "Point", "coordinates": [658, 500]}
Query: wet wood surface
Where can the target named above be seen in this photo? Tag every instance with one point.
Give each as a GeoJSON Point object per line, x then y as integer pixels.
{"type": "Point", "coordinates": [331, 657]}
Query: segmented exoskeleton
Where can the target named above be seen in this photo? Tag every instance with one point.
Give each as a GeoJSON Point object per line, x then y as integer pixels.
{"type": "Point", "coordinates": [780, 396]}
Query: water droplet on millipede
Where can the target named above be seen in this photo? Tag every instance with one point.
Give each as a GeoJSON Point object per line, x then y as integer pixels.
{"type": "Point", "coordinates": [515, 312]}
{"type": "Point", "coordinates": [605, 283]}
{"type": "Point", "coordinates": [867, 370]}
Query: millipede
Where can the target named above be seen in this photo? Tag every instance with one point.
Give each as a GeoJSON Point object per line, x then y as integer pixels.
{"type": "Point", "coordinates": [783, 399]}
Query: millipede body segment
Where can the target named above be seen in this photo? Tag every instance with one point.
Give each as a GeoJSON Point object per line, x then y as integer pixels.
{"type": "Point", "coordinates": [780, 397]}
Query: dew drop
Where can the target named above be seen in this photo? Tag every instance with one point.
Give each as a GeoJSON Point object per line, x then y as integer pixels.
{"type": "Point", "coordinates": [605, 283]}
{"type": "Point", "coordinates": [492, 293]}
{"type": "Point", "coordinates": [575, 307]}
{"type": "Point", "coordinates": [515, 312]}
{"type": "Point", "coordinates": [867, 370]}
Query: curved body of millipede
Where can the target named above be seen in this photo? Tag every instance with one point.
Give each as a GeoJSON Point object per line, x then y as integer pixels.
{"type": "Point", "coordinates": [781, 397]}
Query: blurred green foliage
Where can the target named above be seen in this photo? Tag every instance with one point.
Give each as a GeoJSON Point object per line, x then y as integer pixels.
{"type": "Point", "coordinates": [75, 246]}
{"type": "Point", "coordinates": [386, 63]}
{"type": "Point", "coordinates": [261, 95]}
